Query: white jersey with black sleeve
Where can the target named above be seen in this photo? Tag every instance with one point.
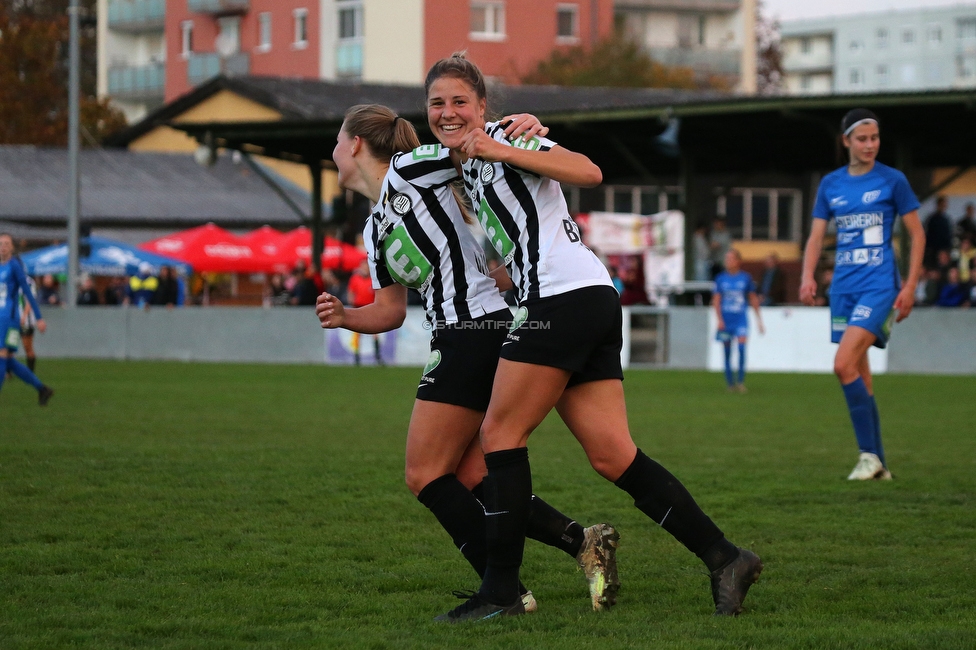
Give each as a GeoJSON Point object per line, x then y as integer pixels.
{"type": "Point", "coordinates": [417, 237]}
{"type": "Point", "coordinates": [527, 221]}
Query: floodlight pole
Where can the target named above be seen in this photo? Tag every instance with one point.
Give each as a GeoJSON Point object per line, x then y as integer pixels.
{"type": "Point", "coordinates": [74, 185]}
{"type": "Point", "coordinates": [318, 232]}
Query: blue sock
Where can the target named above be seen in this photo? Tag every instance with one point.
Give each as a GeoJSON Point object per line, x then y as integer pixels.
{"type": "Point", "coordinates": [3, 371]}
{"type": "Point", "coordinates": [859, 403]}
{"type": "Point", "coordinates": [728, 363]}
{"type": "Point", "coordinates": [742, 363]}
{"type": "Point", "coordinates": [23, 373]}
{"type": "Point", "coordinates": [877, 432]}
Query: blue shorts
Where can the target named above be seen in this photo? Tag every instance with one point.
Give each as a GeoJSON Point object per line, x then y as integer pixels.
{"type": "Point", "coordinates": [736, 327]}
{"type": "Point", "coordinates": [871, 310]}
{"type": "Point", "coordinates": [9, 334]}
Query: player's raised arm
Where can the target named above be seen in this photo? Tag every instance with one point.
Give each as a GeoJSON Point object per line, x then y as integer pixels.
{"type": "Point", "coordinates": [385, 313]}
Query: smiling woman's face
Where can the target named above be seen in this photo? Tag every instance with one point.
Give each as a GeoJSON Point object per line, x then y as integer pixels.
{"type": "Point", "coordinates": [453, 110]}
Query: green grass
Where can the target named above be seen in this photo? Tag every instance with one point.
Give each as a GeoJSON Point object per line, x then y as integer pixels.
{"type": "Point", "coordinates": [167, 505]}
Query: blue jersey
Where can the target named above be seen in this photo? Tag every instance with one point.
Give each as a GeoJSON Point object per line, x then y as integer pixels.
{"type": "Point", "coordinates": [734, 292]}
{"type": "Point", "coordinates": [864, 209]}
{"type": "Point", "coordinates": [13, 280]}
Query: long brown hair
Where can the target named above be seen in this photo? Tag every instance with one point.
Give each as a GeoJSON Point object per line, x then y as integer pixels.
{"type": "Point", "coordinates": [459, 67]}
{"type": "Point", "coordinates": [384, 131]}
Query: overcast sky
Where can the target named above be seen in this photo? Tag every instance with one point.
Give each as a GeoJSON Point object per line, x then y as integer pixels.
{"type": "Point", "coordinates": [791, 9]}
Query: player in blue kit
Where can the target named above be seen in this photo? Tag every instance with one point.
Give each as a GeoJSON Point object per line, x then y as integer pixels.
{"type": "Point", "coordinates": [733, 289]}
{"type": "Point", "coordinates": [13, 281]}
{"type": "Point", "coordinates": [864, 198]}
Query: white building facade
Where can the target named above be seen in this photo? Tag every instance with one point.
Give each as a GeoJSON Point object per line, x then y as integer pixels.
{"type": "Point", "coordinates": [922, 49]}
{"type": "Point", "coordinates": [715, 38]}
{"type": "Point", "coordinates": [132, 54]}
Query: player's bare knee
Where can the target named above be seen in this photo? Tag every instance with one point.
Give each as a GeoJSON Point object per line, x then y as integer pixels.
{"type": "Point", "coordinates": [417, 479]}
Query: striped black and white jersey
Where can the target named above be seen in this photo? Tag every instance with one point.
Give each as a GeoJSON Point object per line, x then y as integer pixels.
{"type": "Point", "coordinates": [527, 221]}
{"type": "Point", "coordinates": [416, 236]}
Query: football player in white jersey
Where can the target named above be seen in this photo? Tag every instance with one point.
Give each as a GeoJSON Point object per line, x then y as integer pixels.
{"type": "Point", "coordinates": [417, 237]}
{"type": "Point", "coordinates": [563, 350]}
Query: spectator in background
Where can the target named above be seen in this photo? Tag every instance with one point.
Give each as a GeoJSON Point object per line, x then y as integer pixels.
{"type": "Point", "coordinates": [967, 253]}
{"type": "Point", "coordinates": [360, 293]}
{"type": "Point", "coordinates": [938, 232]}
{"type": "Point", "coordinates": [967, 225]}
{"type": "Point", "coordinates": [772, 287]}
{"type": "Point", "coordinates": [703, 263]}
{"type": "Point", "coordinates": [87, 295]}
{"type": "Point", "coordinates": [276, 294]}
{"type": "Point", "coordinates": [142, 287]}
{"type": "Point", "coordinates": [49, 291]}
{"type": "Point", "coordinates": [28, 322]}
{"type": "Point", "coordinates": [618, 284]}
{"type": "Point", "coordinates": [305, 291]}
{"type": "Point", "coordinates": [927, 291]}
{"type": "Point", "coordinates": [719, 243]}
{"type": "Point", "coordinates": [168, 289]}
{"type": "Point", "coordinates": [114, 293]}
{"type": "Point", "coordinates": [943, 262]}
{"type": "Point", "coordinates": [954, 293]}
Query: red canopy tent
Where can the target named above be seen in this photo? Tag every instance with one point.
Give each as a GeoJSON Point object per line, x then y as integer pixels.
{"type": "Point", "coordinates": [211, 248]}
{"type": "Point", "coordinates": [297, 245]}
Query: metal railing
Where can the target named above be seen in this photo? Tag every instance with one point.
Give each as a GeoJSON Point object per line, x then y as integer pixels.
{"type": "Point", "coordinates": [137, 82]}
{"type": "Point", "coordinates": [201, 67]}
{"type": "Point", "coordinates": [136, 15]}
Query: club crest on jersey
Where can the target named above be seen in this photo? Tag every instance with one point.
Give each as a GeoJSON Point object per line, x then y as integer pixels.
{"type": "Point", "coordinates": [871, 197]}
{"type": "Point", "coordinates": [401, 203]}
{"type": "Point", "coordinates": [487, 173]}
{"type": "Point", "coordinates": [520, 317]}
{"type": "Point", "coordinates": [432, 361]}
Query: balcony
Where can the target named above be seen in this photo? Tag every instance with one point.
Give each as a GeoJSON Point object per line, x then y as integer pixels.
{"type": "Point", "coordinates": [136, 16]}
{"type": "Point", "coordinates": [219, 7]}
{"type": "Point", "coordinates": [201, 67]}
{"type": "Point", "coordinates": [137, 83]}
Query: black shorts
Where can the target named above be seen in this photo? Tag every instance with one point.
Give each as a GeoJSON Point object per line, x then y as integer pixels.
{"type": "Point", "coordinates": [579, 331]}
{"type": "Point", "coordinates": [27, 331]}
{"type": "Point", "coordinates": [463, 359]}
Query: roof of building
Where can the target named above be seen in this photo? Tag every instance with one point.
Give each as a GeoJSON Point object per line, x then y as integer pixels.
{"type": "Point", "coordinates": [617, 128]}
{"type": "Point", "coordinates": [159, 190]}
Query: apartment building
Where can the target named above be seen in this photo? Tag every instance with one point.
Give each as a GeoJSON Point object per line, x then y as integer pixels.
{"type": "Point", "coordinates": [715, 38]}
{"type": "Point", "coordinates": [920, 49]}
{"type": "Point", "coordinates": [151, 51]}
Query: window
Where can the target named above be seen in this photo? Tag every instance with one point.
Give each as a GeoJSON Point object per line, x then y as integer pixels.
{"type": "Point", "coordinates": [856, 46]}
{"type": "Point", "coordinates": [908, 74]}
{"type": "Point", "coordinates": [567, 23]}
{"type": "Point", "coordinates": [882, 73]}
{"type": "Point", "coordinates": [701, 30]}
{"type": "Point", "coordinates": [806, 82]}
{"type": "Point", "coordinates": [487, 21]}
{"type": "Point", "coordinates": [908, 36]}
{"type": "Point", "coordinates": [933, 72]}
{"type": "Point", "coordinates": [301, 28]}
{"type": "Point", "coordinates": [761, 213]}
{"type": "Point", "coordinates": [934, 34]}
{"type": "Point", "coordinates": [805, 45]}
{"type": "Point", "coordinates": [228, 41]}
{"type": "Point", "coordinates": [349, 47]}
{"type": "Point", "coordinates": [966, 67]}
{"type": "Point", "coordinates": [966, 30]}
{"type": "Point", "coordinates": [882, 36]}
{"type": "Point", "coordinates": [264, 31]}
{"type": "Point", "coordinates": [856, 77]}
{"type": "Point", "coordinates": [187, 46]}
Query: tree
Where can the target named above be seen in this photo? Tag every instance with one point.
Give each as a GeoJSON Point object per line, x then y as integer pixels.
{"type": "Point", "coordinates": [769, 68]}
{"type": "Point", "coordinates": [617, 61]}
{"type": "Point", "coordinates": [34, 80]}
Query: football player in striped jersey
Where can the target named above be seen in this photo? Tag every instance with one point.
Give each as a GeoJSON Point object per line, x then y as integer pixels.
{"type": "Point", "coordinates": [563, 350]}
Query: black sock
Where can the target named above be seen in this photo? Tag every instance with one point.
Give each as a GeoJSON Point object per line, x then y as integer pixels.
{"type": "Point", "coordinates": [508, 502]}
{"type": "Point", "coordinates": [31, 362]}
{"type": "Point", "coordinates": [479, 493]}
{"type": "Point", "coordinates": [551, 527]}
{"type": "Point", "coordinates": [461, 515]}
{"type": "Point", "coordinates": [662, 497]}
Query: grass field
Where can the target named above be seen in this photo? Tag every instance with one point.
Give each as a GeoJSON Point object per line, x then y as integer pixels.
{"type": "Point", "coordinates": [167, 505]}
